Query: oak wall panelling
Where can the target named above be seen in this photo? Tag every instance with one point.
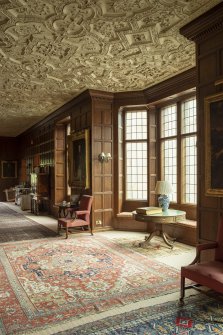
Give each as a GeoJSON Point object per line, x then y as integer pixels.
{"type": "Point", "coordinates": [102, 173]}
{"type": "Point", "coordinates": [60, 164]}
{"type": "Point", "coordinates": [207, 33]}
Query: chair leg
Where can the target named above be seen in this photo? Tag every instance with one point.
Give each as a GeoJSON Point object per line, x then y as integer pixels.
{"type": "Point", "coordinates": [58, 228]}
{"type": "Point", "coordinates": [182, 290]}
{"type": "Point", "coordinates": [66, 231]}
{"type": "Point", "coordinates": [91, 230]}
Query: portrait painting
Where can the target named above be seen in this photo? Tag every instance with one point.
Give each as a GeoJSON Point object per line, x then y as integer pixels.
{"type": "Point", "coordinates": [78, 149]}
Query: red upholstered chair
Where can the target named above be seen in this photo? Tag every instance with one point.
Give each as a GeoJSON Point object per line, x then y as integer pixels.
{"type": "Point", "coordinates": [82, 216]}
{"type": "Point", "coordinates": [209, 273]}
{"type": "Point", "coordinates": [73, 208]}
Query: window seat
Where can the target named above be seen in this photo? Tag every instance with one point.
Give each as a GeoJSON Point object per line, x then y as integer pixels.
{"type": "Point", "coordinates": [185, 231]}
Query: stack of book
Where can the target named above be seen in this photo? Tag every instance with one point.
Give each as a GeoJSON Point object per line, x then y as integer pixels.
{"type": "Point", "coordinates": [148, 210]}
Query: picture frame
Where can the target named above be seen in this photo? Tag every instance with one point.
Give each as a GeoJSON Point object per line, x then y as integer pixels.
{"type": "Point", "coordinates": [213, 108]}
{"type": "Point", "coordinates": [9, 169]}
{"type": "Point", "coordinates": [79, 159]}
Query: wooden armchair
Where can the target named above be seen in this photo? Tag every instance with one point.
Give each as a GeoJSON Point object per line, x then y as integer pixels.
{"type": "Point", "coordinates": [81, 216]}
{"type": "Point", "coordinates": [210, 273]}
{"type": "Point", "coordinates": [70, 211]}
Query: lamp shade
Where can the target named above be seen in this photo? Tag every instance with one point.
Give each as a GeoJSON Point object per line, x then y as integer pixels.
{"type": "Point", "coordinates": [163, 187]}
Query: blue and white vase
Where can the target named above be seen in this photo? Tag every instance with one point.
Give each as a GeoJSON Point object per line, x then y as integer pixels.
{"type": "Point", "coordinates": [164, 202]}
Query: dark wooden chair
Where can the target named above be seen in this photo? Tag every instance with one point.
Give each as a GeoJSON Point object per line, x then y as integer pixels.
{"type": "Point", "coordinates": [209, 273]}
{"type": "Point", "coordinates": [81, 216]}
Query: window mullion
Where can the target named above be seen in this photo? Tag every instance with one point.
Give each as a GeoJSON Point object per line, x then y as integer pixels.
{"type": "Point", "coordinates": [179, 155]}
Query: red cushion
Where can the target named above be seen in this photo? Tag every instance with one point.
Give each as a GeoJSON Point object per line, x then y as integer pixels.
{"type": "Point", "coordinates": [209, 274]}
{"type": "Point", "coordinates": [72, 222]}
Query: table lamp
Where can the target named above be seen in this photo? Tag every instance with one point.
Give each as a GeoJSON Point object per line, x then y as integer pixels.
{"type": "Point", "coordinates": [163, 188]}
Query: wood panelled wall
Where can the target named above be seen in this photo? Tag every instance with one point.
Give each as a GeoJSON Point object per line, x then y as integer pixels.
{"type": "Point", "coordinates": [207, 32]}
{"type": "Point", "coordinates": [92, 110]}
{"type": "Point", "coordinates": [8, 152]}
{"type": "Point", "coordinates": [58, 193]}
{"type": "Point", "coordinates": [102, 141]}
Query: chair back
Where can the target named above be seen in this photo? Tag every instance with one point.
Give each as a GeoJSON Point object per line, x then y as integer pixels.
{"type": "Point", "coordinates": [219, 249]}
{"type": "Point", "coordinates": [85, 205]}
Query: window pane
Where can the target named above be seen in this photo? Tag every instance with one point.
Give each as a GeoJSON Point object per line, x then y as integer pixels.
{"type": "Point", "coordinates": [169, 154]}
{"type": "Point", "coordinates": [189, 116]}
{"type": "Point", "coordinates": [190, 169]}
{"type": "Point", "coordinates": [136, 171]}
{"type": "Point", "coordinates": [136, 125]}
{"type": "Point", "coordinates": [136, 155]}
{"type": "Point", "coordinates": [171, 138]}
{"type": "Point", "coordinates": [169, 121]}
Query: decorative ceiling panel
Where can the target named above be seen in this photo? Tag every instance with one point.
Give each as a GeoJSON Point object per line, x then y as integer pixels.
{"type": "Point", "coordinates": [52, 50]}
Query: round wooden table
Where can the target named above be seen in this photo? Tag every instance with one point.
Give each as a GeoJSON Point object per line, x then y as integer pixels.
{"type": "Point", "coordinates": [157, 221]}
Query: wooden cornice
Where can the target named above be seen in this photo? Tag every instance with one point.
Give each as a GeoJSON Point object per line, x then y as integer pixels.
{"type": "Point", "coordinates": [204, 25]}
{"type": "Point", "coordinates": [101, 95]}
{"type": "Point", "coordinates": [62, 112]}
{"type": "Point", "coordinates": [180, 83]}
{"type": "Point", "coordinates": [130, 98]}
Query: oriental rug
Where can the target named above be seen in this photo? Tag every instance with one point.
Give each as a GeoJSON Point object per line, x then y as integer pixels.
{"type": "Point", "coordinates": [201, 315]}
{"type": "Point", "coordinates": [17, 227]}
{"type": "Point", "coordinates": [46, 283]}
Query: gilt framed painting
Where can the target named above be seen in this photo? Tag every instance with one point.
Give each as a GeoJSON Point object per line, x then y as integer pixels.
{"type": "Point", "coordinates": [79, 159]}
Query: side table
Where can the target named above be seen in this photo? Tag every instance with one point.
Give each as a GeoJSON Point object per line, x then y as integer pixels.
{"type": "Point", "coordinates": [158, 221]}
{"type": "Point", "coordinates": [65, 208]}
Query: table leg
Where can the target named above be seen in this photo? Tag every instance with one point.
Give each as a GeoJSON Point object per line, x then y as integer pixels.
{"type": "Point", "coordinates": [148, 238]}
{"type": "Point", "coordinates": [170, 237]}
{"type": "Point", "coordinates": [158, 231]}
{"type": "Point", "coordinates": [167, 240]}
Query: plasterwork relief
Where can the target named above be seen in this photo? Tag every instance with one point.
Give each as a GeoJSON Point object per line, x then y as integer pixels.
{"type": "Point", "coordinates": [52, 50]}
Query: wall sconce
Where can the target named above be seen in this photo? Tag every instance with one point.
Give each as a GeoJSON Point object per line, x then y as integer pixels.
{"type": "Point", "coordinates": [103, 157]}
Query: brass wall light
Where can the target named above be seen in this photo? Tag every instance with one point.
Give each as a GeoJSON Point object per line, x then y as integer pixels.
{"type": "Point", "coordinates": [103, 157]}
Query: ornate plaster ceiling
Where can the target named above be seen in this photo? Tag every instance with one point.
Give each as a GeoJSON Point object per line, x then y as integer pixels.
{"type": "Point", "coordinates": [52, 50]}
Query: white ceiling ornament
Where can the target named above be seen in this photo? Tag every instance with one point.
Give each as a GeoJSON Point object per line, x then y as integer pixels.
{"type": "Point", "coordinates": [52, 50]}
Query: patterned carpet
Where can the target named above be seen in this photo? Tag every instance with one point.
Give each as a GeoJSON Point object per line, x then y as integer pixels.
{"type": "Point", "coordinates": [16, 227]}
{"type": "Point", "coordinates": [46, 283]}
{"type": "Point", "coordinates": [201, 315]}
